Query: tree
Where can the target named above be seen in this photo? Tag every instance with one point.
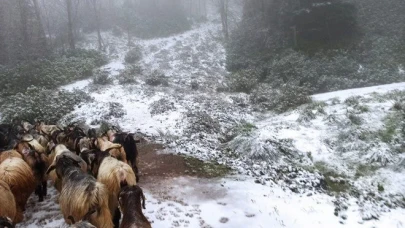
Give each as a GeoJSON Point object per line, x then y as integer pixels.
{"type": "Point", "coordinates": [223, 9]}
{"type": "Point", "coordinates": [39, 20]}
{"type": "Point", "coordinates": [70, 25]}
{"type": "Point", "coordinates": [96, 9]}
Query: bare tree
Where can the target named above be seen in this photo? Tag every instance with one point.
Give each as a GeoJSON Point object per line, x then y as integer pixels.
{"type": "Point", "coordinates": [223, 9]}
{"type": "Point", "coordinates": [39, 20]}
{"type": "Point", "coordinates": [96, 6]}
{"type": "Point", "coordinates": [70, 24]}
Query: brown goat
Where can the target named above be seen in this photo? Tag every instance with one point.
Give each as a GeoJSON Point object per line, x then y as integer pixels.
{"type": "Point", "coordinates": [9, 210]}
{"type": "Point", "coordinates": [113, 174]}
{"type": "Point", "coordinates": [132, 200]}
{"type": "Point", "coordinates": [34, 154]}
{"type": "Point", "coordinates": [116, 150]}
{"type": "Point", "coordinates": [81, 193]}
{"type": "Point", "coordinates": [16, 173]}
{"type": "Point", "coordinates": [59, 150]}
{"type": "Point", "coordinates": [9, 154]}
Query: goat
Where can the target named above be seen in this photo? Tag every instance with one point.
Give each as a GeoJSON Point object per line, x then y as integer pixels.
{"type": "Point", "coordinates": [9, 154]}
{"type": "Point", "coordinates": [57, 150]}
{"type": "Point", "coordinates": [113, 174]}
{"type": "Point", "coordinates": [17, 174]}
{"type": "Point", "coordinates": [81, 193]}
{"type": "Point", "coordinates": [132, 200]}
{"type": "Point", "coordinates": [8, 208]}
{"type": "Point", "coordinates": [34, 154]}
{"type": "Point", "coordinates": [128, 142]}
{"type": "Point", "coordinates": [41, 128]}
{"type": "Point", "coordinates": [116, 150]}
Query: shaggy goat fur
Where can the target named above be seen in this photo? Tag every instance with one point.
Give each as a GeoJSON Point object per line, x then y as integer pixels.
{"type": "Point", "coordinates": [84, 223]}
{"type": "Point", "coordinates": [81, 193]}
{"type": "Point", "coordinates": [8, 208]}
{"type": "Point", "coordinates": [19, 176]}
{"type": "Point", "coordinates": [132, 200]}
{"type": "Point", "coordinates": [59, 150]}
{"type": "Point", "coordinates": [34, 154]}
{"type": "Point", "coordinates": [9, 154]}
{"type": "Point", "coordinates": [115, 150]}
{"type": "Point", "coordinates": [113, 174]}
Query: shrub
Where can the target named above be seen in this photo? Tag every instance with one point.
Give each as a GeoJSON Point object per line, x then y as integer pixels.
{"type": "Point", "coordinates": [134, 55]}
{"type": "Point", "coordinates": [115, 110]}
{"type": "Point", "coordinates": [49, 73]}
{"type": "Point", "coordinates": [157, 78]}
{"type": "Point", "coordinates": [101, 77]}
{"type": "Point", "coordinates": [161, 106]}
{"type": "Point", "coordinates": [40, 103]}
{"type": "Point", "coordinates": [289, 96]}
{"type": "Point", "coordinates": [128, 76]}
{"type": "Point", "coordinates": [244, 80]}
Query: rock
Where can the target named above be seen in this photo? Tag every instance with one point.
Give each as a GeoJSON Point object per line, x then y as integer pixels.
{"type": "Point", "coordinates": [344, 217]}
{"type": "Point", "coordinates": [261, 173]}
{"type": "Point", "coordinates": [257, 181]}
{"type": "Point", "coordinates": [309, 194]}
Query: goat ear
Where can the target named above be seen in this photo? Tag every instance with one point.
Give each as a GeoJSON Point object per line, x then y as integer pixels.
{"type": "Point", "coordinates": [52, 167]}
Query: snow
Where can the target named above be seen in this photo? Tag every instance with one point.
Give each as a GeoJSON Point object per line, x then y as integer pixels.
{"type": "Point", "coordinates": [197, 55]}
{"type": "Point", "coordinates": [344, 94]}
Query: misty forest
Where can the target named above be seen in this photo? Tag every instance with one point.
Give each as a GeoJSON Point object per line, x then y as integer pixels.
{"type": "Point", "coordinates": [202, 113]}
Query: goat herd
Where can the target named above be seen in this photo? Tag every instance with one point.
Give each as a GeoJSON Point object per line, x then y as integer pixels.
{"type": "Point", "coordinates": [95, 175]}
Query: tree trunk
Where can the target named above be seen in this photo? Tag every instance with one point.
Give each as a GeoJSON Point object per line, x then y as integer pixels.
{"type": "Point", "coordinates": [24, 22]}
{"type": "Point", "coordinates": [40, 25]}
{"type": "Point", "coordinates": [70, 25]}
{"type": "Point", "coordinates": [96, 13]}
{"type": "Point", "coordinates": [224, 18]}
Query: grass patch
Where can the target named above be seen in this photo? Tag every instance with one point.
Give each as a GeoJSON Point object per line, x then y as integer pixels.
{"type": "Point", "coordinates": [355, 119]}
{"type": "Point", "coordinates": [392, 124]}
{"type": "Point", "coordinates": [364, 170]}
{"type": "Point", "coordinates": [333, 185]}
{"type": "Point", "coordinates": [204, 168]}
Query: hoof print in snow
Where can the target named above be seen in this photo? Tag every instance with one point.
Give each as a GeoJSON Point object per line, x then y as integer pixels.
{"type": "Point", "coordinates": [224, 220]}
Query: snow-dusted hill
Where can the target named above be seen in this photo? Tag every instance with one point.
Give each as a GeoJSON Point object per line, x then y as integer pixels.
{"type": "Point", "coordinates": [281, 161]}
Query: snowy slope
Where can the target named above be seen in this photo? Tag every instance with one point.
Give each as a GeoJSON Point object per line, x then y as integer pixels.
{"type": "Point", "coordinates": [276, 185]}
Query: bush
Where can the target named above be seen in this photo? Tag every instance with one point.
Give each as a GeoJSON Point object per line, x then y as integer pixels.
{"type": "Point", "coordinates": [115, 110]}
{"type": "Point", "coordinates": [134, 55]}
{"type": "Point", "coordinates": [161, 106]}
{"type": "Point", "coordinates": [157, 78]}
{"type": "Point", "coordinates": [49, 73]}
{"type": "Point", "coordinates": [128, 76]}
{"type": "Point", "coordinates": [244, 80]}
{"type": "Point", "coordinates": [40, 103]}
{"type": "Point", "coordinates": [289, 96]}
{"type": "Point", "coordinates": [101, 77]}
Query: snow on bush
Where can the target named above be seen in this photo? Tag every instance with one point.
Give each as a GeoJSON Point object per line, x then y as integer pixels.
{"type": "Point", "coordinates": [161, 106]}
{"type": "Point", "coordinates": [134, 55]}
{"type": "Point", "coordinates": [40, 103]}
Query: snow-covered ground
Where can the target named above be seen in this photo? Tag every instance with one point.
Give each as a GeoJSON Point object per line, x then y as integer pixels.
{"type": "Point", "coordinates": [283, 190]}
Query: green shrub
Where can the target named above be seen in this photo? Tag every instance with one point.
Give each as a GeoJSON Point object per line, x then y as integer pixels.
{"type": "Point", "coordinates": [49, 73]}
{"type": "Point", "coordinates": [289, 96]}
{"type": "Point", "coordinates": [244, 80]}
{"type": "Point", "coordinates": [157, 78]}
{"type": "Point", "coordinates": [101, 77]}
{"type": "Point", "coordinates": [134, 55]}
{"type": "Point", "coordinates": [128, 76]}
{"type": "Point", "coordinates": [40, 103]}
